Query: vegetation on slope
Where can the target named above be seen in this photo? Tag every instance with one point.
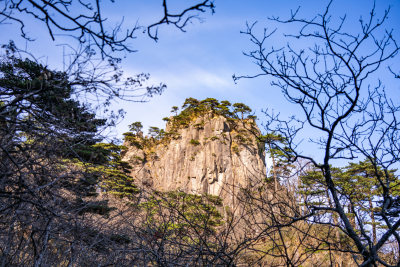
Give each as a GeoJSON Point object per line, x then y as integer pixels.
{"type": "Point", "coordinates": [192, 109]}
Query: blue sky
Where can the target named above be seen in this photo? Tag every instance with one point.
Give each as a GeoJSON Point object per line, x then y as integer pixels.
{"type": "Point", "coordinates": [200, 63]}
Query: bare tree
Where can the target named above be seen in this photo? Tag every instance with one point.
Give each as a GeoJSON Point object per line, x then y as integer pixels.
{"type": "Point", "coordinates": [85, 21]}
{"type": "Point", "coordinates": [334, 83]}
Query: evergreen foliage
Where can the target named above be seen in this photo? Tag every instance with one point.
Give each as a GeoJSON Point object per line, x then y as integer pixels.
{"type": "Point", "coordinates": [40, 116]}
{"type": "Point", "coordinates": [136, 127]}
{"type": "Point", "coordinates": [113, 173]}
{"type": "Point", "coordinates": [194, 142]}
{"type": "Point", "coordinates": [280, 155]}
{"type": "Point", "coordinates": [358, 186]}
{"type": "Point", "coordinates": [51, 165]}
{"type": "Point", "coordinates": [191, 109]}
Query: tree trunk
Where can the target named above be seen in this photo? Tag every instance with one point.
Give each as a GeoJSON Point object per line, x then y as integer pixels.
{"type": "Point", "coordinates": [371, 208]}
{"type": "Point", "coordinates": [273, 168]}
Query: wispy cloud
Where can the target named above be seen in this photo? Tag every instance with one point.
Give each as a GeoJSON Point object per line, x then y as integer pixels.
{"type": "Point", "coordinates": [196, 77]}
{"type": "Point", "coordinates": [186, 77]}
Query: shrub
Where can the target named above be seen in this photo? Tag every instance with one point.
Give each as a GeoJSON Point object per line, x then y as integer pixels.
{"type": "Point", "coordinates": [194, 142]}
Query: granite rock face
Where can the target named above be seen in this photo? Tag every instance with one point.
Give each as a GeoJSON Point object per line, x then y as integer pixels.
{"type": "Point", "coordinates": [213, 155]}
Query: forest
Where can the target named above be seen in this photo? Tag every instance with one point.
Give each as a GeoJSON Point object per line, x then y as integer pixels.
{"type": "Point", "coordinates": [329, 194]}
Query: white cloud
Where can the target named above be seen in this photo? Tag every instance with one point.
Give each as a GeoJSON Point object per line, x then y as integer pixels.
{"type": "Point", "coordinates": [186, 77]}
{"type": "Point", "coordinates": [199, 78]}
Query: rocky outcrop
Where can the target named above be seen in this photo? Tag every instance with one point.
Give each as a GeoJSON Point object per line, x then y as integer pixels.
{"type": "Point", "coordinates": [212, 154]}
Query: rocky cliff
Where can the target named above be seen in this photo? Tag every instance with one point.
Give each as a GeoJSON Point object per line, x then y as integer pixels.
{"type": "Point", "coordinates": [203, 150]}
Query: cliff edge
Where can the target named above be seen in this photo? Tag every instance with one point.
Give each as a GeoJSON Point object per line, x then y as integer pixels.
{"type": "Point", "coordinates": [206, 149]}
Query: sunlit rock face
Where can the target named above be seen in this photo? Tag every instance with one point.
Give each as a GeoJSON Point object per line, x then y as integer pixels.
{"type": "Point", "coordinates": [213, 155]}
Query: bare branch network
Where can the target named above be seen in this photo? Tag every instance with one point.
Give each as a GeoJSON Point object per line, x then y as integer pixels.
{"type": "Point", "coordinates": [349, 112]}
{"type": "Point", "coordinates": [85, 21]}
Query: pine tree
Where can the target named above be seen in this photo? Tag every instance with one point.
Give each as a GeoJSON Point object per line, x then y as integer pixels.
{"type": "Point", "coordinates": [242, 109]}
{"type": "Point", "coordinates": [362, 186]}
{"type": "Point", "coordinates": [279, 156]}
{"type": "Point", "coordinates": [51, 164]}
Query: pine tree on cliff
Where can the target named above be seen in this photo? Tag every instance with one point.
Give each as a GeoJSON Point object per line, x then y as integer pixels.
{"type": "Point", "coordinates": [242, 109]}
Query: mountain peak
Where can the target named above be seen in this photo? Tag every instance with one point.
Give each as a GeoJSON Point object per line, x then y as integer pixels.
{"type": "Point", "coordinates": [206, 149]}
